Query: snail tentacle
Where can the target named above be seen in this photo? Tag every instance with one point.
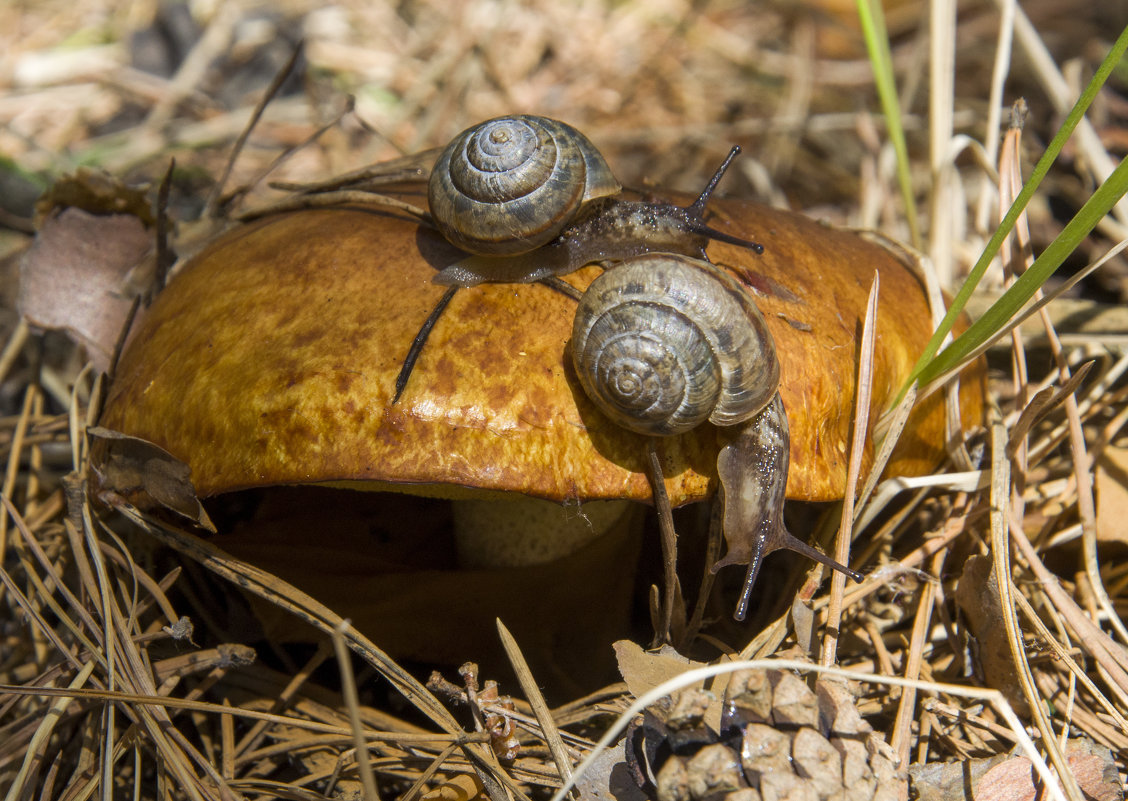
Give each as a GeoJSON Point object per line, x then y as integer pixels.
{"type": "Point", "coordinates": [695, 216]}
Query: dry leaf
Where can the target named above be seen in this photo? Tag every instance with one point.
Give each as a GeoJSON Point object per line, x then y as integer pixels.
{"type": "Point", "coordinates": [464, 787]}
{"type": "Point", "coordinates": [1112, 495]}
{"type": "Point", "coordinates": [608, 777]}
{"type": "Point", "coordinates": [949, 781]}
{"type": "Point", "coordinates": [644, 670]}
{"type": "Point", "coordinates": [145, 475]}
{"type": "Point", "coordinates": [97, 192]}
{"type": "Point", "coordinates": [1012, 778]}
{"type": "Point", "coordinates": [803, 618]}
{"type": "Point", "coordinates": [977, 594]}
{"type": "Point", "coordinates": [1015, 780]}
{"type": "Point", "coordinates": [77, 275]}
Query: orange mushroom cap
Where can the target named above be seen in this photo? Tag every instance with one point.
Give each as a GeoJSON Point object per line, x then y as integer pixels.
{"type": "Point", "coordinates": [272, 357]}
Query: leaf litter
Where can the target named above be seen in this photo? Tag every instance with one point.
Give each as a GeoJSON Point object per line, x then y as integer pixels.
{"type": "Point", "coordinates": [95, 637]}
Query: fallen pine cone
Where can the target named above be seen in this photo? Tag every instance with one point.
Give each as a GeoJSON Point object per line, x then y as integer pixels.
{"type": "Point", "coordinates": [778, 740]}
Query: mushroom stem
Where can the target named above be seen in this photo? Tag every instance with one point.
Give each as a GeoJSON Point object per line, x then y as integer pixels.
{"type": "Point", "coordinates": [518, 531]}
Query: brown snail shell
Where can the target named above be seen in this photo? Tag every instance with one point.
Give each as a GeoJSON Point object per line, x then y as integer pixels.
{"type": "Point", "coordinates": [511, 184]}
{"type": "Point", "coordinates": [664, 342]}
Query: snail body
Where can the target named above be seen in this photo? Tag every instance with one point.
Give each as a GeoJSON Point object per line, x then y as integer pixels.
{"type": "Point", "coordinates": [607, 229]}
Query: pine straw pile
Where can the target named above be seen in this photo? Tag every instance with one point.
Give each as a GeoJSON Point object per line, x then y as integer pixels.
{"type": "Point", "coordinates": [988, 630]}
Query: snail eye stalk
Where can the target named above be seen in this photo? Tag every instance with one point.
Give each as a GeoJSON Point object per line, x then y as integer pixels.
{"type": "Point", "coordinates": [696, 211]}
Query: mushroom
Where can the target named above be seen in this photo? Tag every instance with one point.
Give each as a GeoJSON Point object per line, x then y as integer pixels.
{"type": "Point", "coordinates": [272, 356]}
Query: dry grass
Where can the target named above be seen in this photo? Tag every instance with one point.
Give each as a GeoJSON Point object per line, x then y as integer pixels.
{"type": "Point", "coordinates": [102, 690]}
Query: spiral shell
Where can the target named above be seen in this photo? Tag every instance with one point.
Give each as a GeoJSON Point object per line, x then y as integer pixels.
{"type": "Point", "coordinates": [511, 184]}
{"type": "Point", "coordinates": [662, 343]}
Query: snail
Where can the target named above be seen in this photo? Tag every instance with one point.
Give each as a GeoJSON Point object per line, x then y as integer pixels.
{"type": "Point", "coordinates": [662, 343]}
{"type": "Point", "coordinates": [531, 197]}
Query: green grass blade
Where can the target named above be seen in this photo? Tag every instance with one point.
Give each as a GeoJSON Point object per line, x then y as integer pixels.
{"type": "Point", "coordinates": [877, 44]}
{"type": "Point", "coordinates": [1095, 208]}
{"type": "Point", "coordinates": [1040, 170]}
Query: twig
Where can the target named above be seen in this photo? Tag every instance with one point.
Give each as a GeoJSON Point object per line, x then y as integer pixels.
{"type": "Point", "coordinates": [536, 701]}
{"type": "Point", "coordinates": [43, 732]}
{"type": "Point", "coordinates": [1001, 490]}
{"type": "Point", "coordinates": [352, 704]}
{"type": "Point", "coordinates": [211, 208]}
{"type": "Point", "coordinates": [319, 201]}
{"type": "Point", "coordinates": [165, 257]}
{"type": "Point", "coordinates": [862, 403]}
{"type": "Point", "coordinates": [226, 201]}
{"type": "Point", "coordinates": [668, 539]}
{"type": "Point", "coordinates": [288, 597]}
{"type": "Point", "coordinates": [901, 741]}
{"type": "Point", "coordinates": [255, 734]}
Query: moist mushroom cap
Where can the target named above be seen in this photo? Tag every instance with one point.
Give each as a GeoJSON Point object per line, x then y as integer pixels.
{"type": "Point", "coordinates": [272, 356]}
